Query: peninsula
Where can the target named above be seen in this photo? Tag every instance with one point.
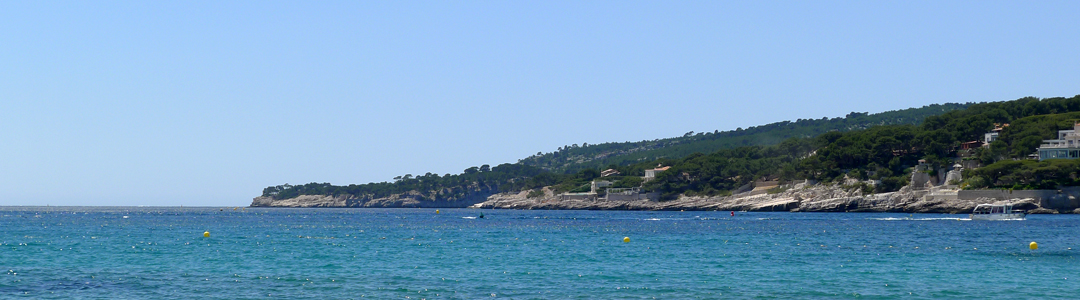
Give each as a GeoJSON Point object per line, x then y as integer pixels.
{"type": "Point", "coordinates": [940, 158]}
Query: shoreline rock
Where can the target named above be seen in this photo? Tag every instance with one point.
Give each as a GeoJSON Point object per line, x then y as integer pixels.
{"type": "Point", "coordinates": [799, 198]}
{"type": "Point", "coordinates": [796, 198]}
{"type": "Point", "coordinates": [411, 199]}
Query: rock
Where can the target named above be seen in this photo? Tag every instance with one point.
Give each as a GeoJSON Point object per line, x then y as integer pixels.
{"type": "Point", "coordinates": [301, 201]}
{"type": "Point", "coordinates": [409, 199]}
{"type": "Point", "coordinates": [262, 201]}
{"type": "Point", "coordinates": [799, 197]}
{"type": "Point", "coordinates": [1042, 211]}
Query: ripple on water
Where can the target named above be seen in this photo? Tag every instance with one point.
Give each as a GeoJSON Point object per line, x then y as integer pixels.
{"type": "Point", "coordinates": [398, 253]}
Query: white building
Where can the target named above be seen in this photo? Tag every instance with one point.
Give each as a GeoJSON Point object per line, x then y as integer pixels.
{"type": "Point", "coordinates": [650, 174]}
{"type": "Point", "coordinates": [993, 134]}
{"type": "Point", "coordinates": [1067, 145]}
{"type": "Point", "coordinates": [598, 184]}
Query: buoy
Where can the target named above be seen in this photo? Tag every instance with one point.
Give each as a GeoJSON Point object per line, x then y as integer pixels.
{"type": "Point", "coordinates": [733, 213]}
{"type": "Point", "coordinates": [206, 234]}
{"type": "Point", "coordinates": [626, 239]}
{"type": "Point", "coordinates": [436, 211]}
{"type": "Point", "coordinates": [481, 215]}
{"type": "Point", "coordinates": [1033, 246]}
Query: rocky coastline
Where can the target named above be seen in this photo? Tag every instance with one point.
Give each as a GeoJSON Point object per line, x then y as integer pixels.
{"type": "Point", "coordinates": [795, 198]}
{"type": "Point", "coordinates": [405, 200]}
{"type": "Point", "coordinates": [798, 198]}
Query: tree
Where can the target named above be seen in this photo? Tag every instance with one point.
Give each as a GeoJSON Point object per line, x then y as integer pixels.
{"type": "Point", "coordinates": [485, 168]}
{"type": "Point", "coordinates": [588, 174]}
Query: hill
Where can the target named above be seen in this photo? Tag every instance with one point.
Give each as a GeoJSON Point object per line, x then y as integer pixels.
{"type": "Point", "coordinates": [844, 148]}
{"type": "Point", "coordinates": [572, 158]}
{"type": "Point", "coordinates": [887, 153]}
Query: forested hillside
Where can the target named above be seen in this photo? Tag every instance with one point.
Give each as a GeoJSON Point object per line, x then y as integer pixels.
{"type": "Point", "coordinates": [571, 158]}
{"type": "Point", "coordinates": [887, 153]}
{"type": "Point", "coordinates": [848, 147]}
{"type": "Point", "coordinates": [505, 177]}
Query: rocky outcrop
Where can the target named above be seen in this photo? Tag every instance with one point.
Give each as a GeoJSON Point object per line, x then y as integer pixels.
{"type": "Point", "coordinates": [797, 198]}
{"type": "Point", "coordinates": [301, 201]}
{"type": "Point", "coordinates": [409, 199]}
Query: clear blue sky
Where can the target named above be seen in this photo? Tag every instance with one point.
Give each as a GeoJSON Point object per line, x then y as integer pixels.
{"type": "Point", "coordinates": [206, 103]}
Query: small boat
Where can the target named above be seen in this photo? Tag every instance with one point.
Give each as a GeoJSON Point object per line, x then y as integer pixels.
{"type": "Point", "coordinates": [996, 212]}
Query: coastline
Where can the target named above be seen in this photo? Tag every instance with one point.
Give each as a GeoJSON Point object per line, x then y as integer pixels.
{"type": "Point", "coordinates": [797, 198]}
{"type": "Point", "coordinates": [800, 198]}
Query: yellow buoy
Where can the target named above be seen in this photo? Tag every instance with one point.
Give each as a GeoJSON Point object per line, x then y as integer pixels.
{"type": "Point", "coordinates": [626, 239]}
{"type": "Point", "coordinates": [206, 234]}
{"type": "Point", "coordinates": [436, 211]}
{"type": "Point", "coordinates": [1033, 246]}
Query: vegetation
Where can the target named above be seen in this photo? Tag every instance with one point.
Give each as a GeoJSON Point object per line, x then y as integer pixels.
{"type": "Point", "coordinates": [505, 177]}
{"type": "Point", "coordinates": [826, 150]}
{"type": "Point", "coordinates": [887, 153]}
{"type": "Point", "coordinates": [1026, 174]}
{"type": "Point", "coordinates": [483, 179]}
{"type": "Point", "coordinates": [572, 158]}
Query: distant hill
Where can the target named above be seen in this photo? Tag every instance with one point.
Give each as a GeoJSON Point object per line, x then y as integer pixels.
{"type": "Point", "coordinates": [881, 147]}
{"type": "Point", "coordinates": [570, 159]}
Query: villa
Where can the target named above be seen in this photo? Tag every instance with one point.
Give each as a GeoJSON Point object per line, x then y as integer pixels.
{"type": "Point", "coordinates": [1067, 145]}
{"type": "Point", "coordinates": [650, 174]}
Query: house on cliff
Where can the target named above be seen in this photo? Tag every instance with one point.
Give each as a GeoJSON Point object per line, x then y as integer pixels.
{"type": "Point", "coordinates": [650, 174]}
{"type": "Point", "coordinates": [993, 135]}
{"type": "Point", "coordinates": [1067, 145]}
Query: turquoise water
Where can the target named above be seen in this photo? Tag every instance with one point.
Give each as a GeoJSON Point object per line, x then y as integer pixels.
{"type": "Point", "coordinates": [131, 252]}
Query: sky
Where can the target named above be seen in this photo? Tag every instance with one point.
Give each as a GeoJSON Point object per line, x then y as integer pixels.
{"type": "Point", "coordinates": [205, 103]}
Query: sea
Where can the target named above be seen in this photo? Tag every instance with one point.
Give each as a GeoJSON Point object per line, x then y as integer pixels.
{"type": "Point", "coordinates": [354, 253]}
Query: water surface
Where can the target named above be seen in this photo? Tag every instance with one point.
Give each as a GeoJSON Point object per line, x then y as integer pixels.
{"type": "Point", "coordinates": [138, 252]}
